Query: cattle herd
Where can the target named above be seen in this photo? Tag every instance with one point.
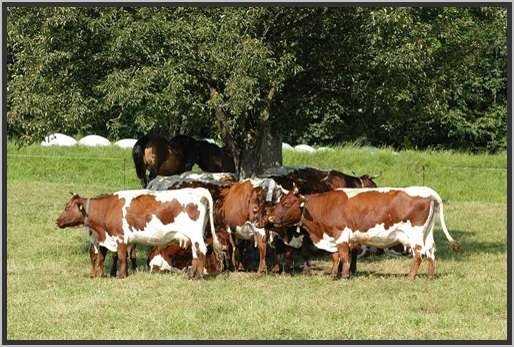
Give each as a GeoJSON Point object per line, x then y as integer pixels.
{"type": "Point", "coordinates": [196, 221]}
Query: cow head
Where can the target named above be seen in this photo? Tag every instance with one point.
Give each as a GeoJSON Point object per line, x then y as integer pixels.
{"type": "Point", "coordinates": [257, 205]}
{"type": "Point", "coordinates": [288, 211]}
{"type": "Point", "coordinates": [73, 214]}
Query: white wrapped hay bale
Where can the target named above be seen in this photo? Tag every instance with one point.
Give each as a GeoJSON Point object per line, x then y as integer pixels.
{"type": "Point", "coordinates": [328, 149]}
{"type": "Point", "coordinates": [126, 143]}
{"type": "Point", "coordinates": [286, 147]}
{"type": "Point", "coordinates": [304, 148]}
{"type": "Point", "coordinates": [94, 141]}
{"type": "Point", "coordinates": [58, 139]}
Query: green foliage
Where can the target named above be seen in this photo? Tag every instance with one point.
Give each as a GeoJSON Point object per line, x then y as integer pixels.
{"type": "Point", "coordinates": [405, 77]}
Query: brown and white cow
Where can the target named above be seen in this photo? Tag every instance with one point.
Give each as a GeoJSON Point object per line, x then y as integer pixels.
{"type": "Point", "coordinates": [310, 180]}
{"type": "Point", "coordinates": [379, 217]}
{"type": "Point", "coordinates": [120, 220]}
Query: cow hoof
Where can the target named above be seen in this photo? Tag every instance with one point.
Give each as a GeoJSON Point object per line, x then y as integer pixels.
{"type": "Point", "coordinates": [333, 277]}
{"type": "Point", "coordinates": [275, 270]}
{"type": "Point", "coordinates": [307, 271]}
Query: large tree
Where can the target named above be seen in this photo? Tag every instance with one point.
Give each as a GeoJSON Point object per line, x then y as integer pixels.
{"type": "Point", "coordinates": [175, 68]}
{"type": "Point", "coordinates": [252, 76]}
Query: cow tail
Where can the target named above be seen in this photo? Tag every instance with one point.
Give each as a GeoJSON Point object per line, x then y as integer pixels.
{"type": "Point", "coordinates": [138, 153]}
{"type": "Point", "coordinates": [454, 244]}
{"type": "Point", "coordinates": [215, 242]}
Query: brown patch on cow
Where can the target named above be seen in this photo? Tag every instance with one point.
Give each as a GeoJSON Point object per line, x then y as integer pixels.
{"type": "Point", "coordinates": [142, 208]}
{"type": "Point", "coordinates": [192, 211]}
{"type": "Point", "coordinates": [389, 208]}
{"type": "Point", "coordinates": [168, 211]}
{"type": "Point", "coordinates": [139, 212]}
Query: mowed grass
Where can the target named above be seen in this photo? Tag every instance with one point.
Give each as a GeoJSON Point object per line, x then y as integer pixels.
{"type": "Point", "coordinates": [50, 295]}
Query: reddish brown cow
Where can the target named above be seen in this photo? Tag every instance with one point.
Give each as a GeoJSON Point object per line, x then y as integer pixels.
{"type": "Point", "coordinates": [238, 208]}
{"type": "Point", "coordinates": [378, 217]}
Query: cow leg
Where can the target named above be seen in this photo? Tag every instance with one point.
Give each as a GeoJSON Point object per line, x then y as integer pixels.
{"type": "Point", "coordinates": [197, 264]}
{"type": "Point", "coordinates": [416, 261]}
{"type": "Point", "coordinates": [133, 260]}
{"type": "Point", "coordinates": [289, 257]}
{"type": "Point", "coordinates": [343, 250]}
{"type": "Point", "coordinates": [101, 261]}
{"type": "Point", "coordinates": [305, 251]}
{"type": "Point", "coordinates": [335, 265]}
{"type": "Point", "coordinates": [122, 260]}
{"type": "Point", "coordinates": [276, 262]}
{"type": "Point", "coordinates": [430, 244]}
{"type": "Point", "coordinates": [261, 243]}
{"type": "Point", "coordinates": [114, 265]}
{"type": "Point", "coordinates": [93, 255]}
{"type": "Point", "coordinates": [233, 250]}
{"type": "Point", "coordinates": [355, 251]}
{"type": "Point", "coordinates": [200, 263]}
{"type": "Point", "coordinates": [240, 254]}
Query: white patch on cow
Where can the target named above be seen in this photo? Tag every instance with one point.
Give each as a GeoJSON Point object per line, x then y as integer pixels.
{"type": "Point", "coordinates": [160, 262]}
{"type": "Point", "coordinates": [110, 242]}
{"type": "Point", "coordinates": [157, 233]}
{"type": "Point", "coordinates": [344, 237]}
{"type": "Point", "coordinates": [296, 241]}
{"type": "Point", "coordinates": [327, 243]}
{"type": "Point", "coordinates": [245, 231]}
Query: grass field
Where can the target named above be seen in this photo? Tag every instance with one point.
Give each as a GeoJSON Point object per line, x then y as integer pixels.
{"type": "Point", "coordinates": [50, 295]}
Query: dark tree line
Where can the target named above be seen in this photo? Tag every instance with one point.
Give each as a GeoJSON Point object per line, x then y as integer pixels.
{"type": "Point", "coordinates": [253, 77]}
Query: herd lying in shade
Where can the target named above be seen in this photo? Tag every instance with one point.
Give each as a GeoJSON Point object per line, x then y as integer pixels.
{"type": "Point", "coordinates": [195, 220]}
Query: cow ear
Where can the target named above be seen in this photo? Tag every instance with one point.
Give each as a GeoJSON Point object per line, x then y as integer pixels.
{"type": "Point", "coordinates": [295, 189]}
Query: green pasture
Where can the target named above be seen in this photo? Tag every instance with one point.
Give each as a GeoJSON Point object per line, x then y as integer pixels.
{"type": "Point", "coordinates": [50, 296]}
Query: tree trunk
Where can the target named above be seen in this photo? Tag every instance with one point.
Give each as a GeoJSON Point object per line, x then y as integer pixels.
{"type": "Point", "coordinates": [265, 153]}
